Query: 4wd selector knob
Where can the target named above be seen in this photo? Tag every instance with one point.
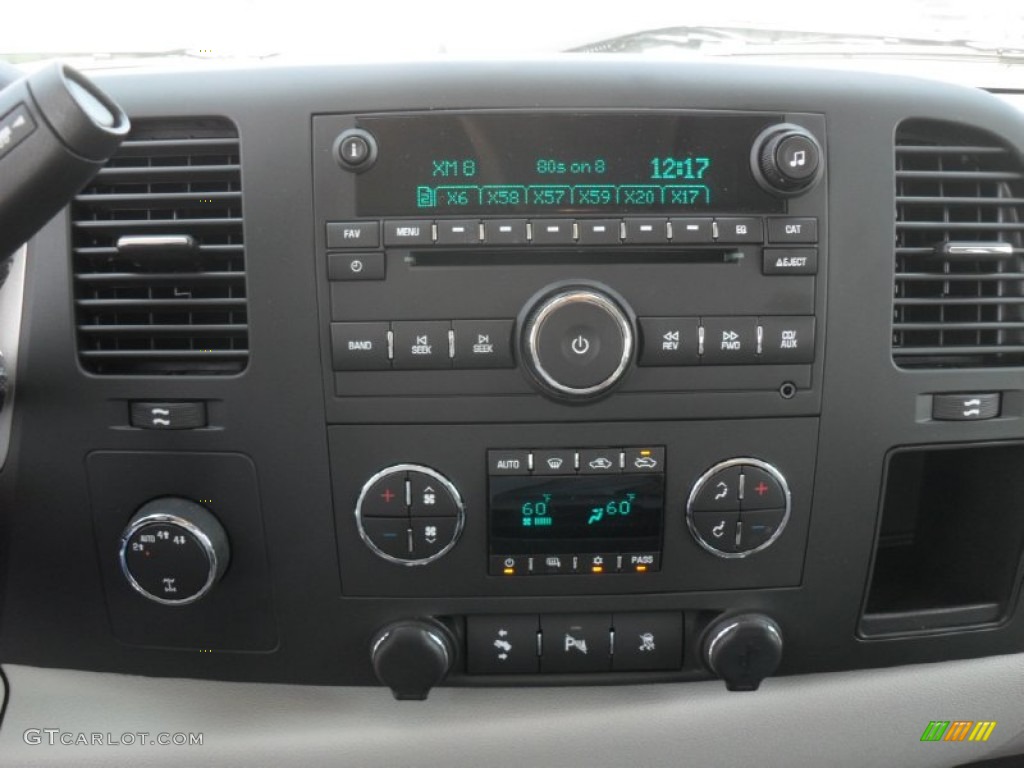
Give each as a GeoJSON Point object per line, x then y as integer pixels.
{"type": "Point", "coordinates": [786, 159]}
{"type": "Point", "coordinates": [577, 341]}
{"type": "Point", "coordinates": [173, 551]}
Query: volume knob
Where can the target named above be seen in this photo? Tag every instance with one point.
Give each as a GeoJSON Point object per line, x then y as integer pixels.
{"type": "Point", "coordinates": [577, 341]}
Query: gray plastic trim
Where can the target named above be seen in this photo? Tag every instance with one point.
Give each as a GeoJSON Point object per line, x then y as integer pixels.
{"type": "Point", "coordinates": [846, 719]}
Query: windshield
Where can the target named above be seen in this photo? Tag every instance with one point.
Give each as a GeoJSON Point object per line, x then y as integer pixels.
{"type": "Point", "coordinates": [302, 29]}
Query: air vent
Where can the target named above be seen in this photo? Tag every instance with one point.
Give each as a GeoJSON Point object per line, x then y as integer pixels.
{"type": "Point", "coordinates": [159, 265]}
{"type": "Point", "coordinates": [959, 294]}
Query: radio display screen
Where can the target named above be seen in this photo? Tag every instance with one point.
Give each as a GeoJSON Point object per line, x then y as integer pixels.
{"type": "Point", "coordinates": [576, 514]}
{"type": "Point", "coordinates": [494, 164]}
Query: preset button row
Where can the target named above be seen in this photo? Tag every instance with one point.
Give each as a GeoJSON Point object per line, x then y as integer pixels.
{"type": "Point", "coordinates": [689, 230]}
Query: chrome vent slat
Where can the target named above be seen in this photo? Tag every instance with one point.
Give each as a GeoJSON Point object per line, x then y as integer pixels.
{"type": "Point", "coordinates": [959, 248]}
{"type": "Point", "coordinates": [158, 308]}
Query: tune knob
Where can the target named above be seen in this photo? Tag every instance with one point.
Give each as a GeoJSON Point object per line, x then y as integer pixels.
{"type": "Point", "coordinates": [173, 551]}
{"type": "Point", "coordinates": [577, 341]}
{"type": "Point", "coordinates": [786, 159]}
{"type": "Point", "coordinates": [412, 656]}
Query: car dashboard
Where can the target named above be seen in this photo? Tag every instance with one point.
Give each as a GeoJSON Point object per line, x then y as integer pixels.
{"type": "Point", "coordinates": [548, 396]}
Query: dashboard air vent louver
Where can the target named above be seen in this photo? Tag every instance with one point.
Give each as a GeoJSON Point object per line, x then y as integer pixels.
{"type": "Point", "coordinates": [959, 293]}
{"type": "Point", "coordinates": [159, 264]}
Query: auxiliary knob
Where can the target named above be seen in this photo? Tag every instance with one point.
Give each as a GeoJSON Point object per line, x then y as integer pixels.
{"type": "Point", "coordinates": [786, 159]}
{"type": "Point", "coordinates": [577, 341]}
{"type": "Point", "coordinates": [173, 551]}
{"type": "Point", "coordinates": [743, 650]}
{"type": "Point", "coordinates": [412, 656]}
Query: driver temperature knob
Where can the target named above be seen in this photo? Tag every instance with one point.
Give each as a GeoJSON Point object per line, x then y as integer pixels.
{"type": "Point", "coordinates": [577, 341]}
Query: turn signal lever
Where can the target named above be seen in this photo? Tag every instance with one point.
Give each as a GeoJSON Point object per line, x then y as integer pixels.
{"type": "Point", "coordinates": [57, 129]}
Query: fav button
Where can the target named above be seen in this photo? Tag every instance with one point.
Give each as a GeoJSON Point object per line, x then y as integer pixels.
{"type": "Point", "coordinates": [353, 234]}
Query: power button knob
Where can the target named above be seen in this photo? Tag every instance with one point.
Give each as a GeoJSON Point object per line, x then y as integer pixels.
{"type": "Point", "coordinates": [577, 342]}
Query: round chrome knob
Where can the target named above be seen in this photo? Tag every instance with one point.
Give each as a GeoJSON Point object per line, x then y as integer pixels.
{"type": "Point", "coordinates": [577, 342]}
{"type": "Point", "coordinates": [173, 551]}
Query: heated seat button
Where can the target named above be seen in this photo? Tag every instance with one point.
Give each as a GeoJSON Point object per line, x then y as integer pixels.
{"type": "Point", "coordinates": [761, 490]}
{"type": "Point", "coordinates": [576, 643]}
{"type": "Point", "coordinates": [359, 346]}
{"type": "Point", "coordinates": [421, 345]}
{"type": "Point", "coordinates": [716, 529]}
{"type": "Point", "coordinates": [720, 491]}
{"type": "Point", "coordinates": [730, 340]}
{"type": "Point", "coordinates": [647, 641]}
{"type": "Point", "coordinates": [501, 645]}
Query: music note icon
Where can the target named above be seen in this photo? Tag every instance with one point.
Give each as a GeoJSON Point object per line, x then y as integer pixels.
{"type": "Point", "coordinates": [799, 159]}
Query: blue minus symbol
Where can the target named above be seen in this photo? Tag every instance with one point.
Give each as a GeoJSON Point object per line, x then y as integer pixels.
{"type": "Point", "coordinates": [390, 535]}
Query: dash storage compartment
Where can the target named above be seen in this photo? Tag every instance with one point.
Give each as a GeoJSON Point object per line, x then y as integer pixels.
{"type": "Point", "coordinates": [949, 544]}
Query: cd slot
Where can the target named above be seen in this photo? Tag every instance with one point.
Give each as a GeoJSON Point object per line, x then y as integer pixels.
{"type": "Point", "coordinates": [725, 255]}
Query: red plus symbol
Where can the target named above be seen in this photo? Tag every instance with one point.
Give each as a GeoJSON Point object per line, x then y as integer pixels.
{"type": "Point", "coordinates": [387, 495]}
{"type": "Point", "coordinates": [761, 488]}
